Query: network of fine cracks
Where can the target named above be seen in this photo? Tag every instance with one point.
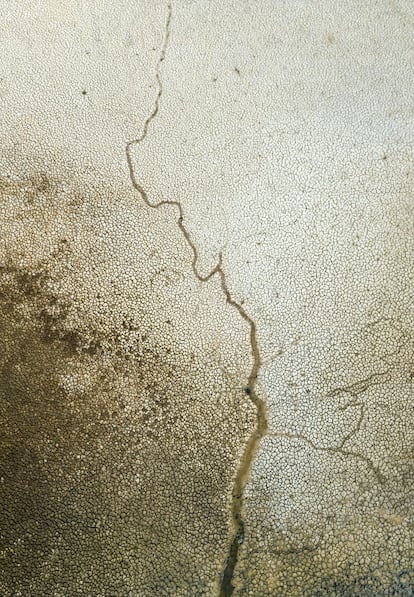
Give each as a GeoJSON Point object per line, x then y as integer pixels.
{"type": "Point", "coordinates": [262, 427]}
{"type": "Point", "coordinates": [243, 471]}
{"type": "Point", "coordinates": [354, 390]}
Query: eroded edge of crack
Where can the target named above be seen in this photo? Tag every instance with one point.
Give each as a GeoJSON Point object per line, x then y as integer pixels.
{"type": "Point", "coordinates": [244, 468]}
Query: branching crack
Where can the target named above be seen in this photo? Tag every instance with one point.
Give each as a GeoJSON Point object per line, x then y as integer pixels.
{"type": "Point", "coordinates": [333, 450]}
{"type": "Point", "coordinates": [243, 471]}
{"type": "Point", "coordinates": [360, 386]}
{"type": "Point", "coordinates": [353, 390]}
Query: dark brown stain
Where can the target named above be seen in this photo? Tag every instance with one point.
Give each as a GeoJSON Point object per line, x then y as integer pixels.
{"type": "Point", "coordinates": [115, 463]}
{"type": "Point", "coordinates": [369, 585]}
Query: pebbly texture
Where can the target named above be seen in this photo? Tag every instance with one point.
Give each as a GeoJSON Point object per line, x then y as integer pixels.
{"type": "Point", "coordinates": [122, 375]}
{"type": "Point", "coordinates": [207, 298]}
{"type": "Point", "coordinates": [122, 418]}
{"type": "Point", "coordinates": [292, 152]}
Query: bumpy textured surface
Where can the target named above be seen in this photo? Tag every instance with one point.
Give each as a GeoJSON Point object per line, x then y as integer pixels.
{"type": "Point", "coordinates": [206, 298]}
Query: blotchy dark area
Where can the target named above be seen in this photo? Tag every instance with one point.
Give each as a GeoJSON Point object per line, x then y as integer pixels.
{"type": "Point", "coordinates": [116, 464]}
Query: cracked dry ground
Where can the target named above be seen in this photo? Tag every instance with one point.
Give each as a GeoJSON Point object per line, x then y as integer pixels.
{"type": "Point", "coordinates": [123, 419]}
{"type": "Point", "coordinates": [197, 398]}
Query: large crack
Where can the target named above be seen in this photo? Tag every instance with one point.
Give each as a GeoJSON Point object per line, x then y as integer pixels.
{"type": "Point", "coordinates": [244, 468]}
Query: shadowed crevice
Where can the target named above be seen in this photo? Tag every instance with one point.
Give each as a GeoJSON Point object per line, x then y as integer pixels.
{"type": "Point", "coordinates": [244, 468]}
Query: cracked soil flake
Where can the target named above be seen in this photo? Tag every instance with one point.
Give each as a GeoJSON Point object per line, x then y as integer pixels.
{"type": "Point", "coordinates": [206, 299]}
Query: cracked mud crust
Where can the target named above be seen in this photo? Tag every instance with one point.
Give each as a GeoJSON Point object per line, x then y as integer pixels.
{"type": "Point", "coordinates": [122, 422]}
{"type": "Point", "coordinates": [206, 299]}
{"type": "Point", "coordinates": [243, 471]}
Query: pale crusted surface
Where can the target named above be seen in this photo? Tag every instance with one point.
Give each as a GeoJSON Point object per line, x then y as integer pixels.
{"type": "Point", "coordinates": [284, 132]}
{"type": "Point", "coordinates": [291, 152]}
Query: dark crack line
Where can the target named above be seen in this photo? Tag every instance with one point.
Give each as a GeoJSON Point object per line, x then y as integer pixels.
{"type": "Point", "coordinates": [354, 390]}
{"type": "Point", "coordinates": [359, 387]}
{"type": "Point", "coordinates": [333, 450]}
{"type": "Point", "coordinates": [244, 468]}
{"type": "Point", "coordinates": [295, 551]}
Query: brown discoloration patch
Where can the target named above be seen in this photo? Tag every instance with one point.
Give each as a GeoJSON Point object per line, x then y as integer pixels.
{"type": "Point", "coordinates": [116, 459]}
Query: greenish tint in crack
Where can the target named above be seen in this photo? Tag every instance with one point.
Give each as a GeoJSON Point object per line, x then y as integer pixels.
{"type": "Point", "coordinates": [243, 471]}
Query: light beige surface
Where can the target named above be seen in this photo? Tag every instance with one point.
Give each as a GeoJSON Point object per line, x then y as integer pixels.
{"type": "Point", "coordinates": [284, 130]}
